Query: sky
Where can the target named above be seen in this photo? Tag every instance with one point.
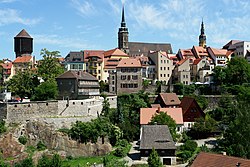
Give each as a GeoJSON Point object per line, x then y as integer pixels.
{"type": "Point", "coordinates": [74, 25]}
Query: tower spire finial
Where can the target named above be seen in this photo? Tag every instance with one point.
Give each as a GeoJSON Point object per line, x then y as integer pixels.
{"type": "Point", "coordinates": [123, 23]}
{"type": "Point", "coordinates": [202, 37]}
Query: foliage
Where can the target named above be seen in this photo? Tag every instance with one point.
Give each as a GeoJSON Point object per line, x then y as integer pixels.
{"type": "Point", "coordinates": [236, 136]}
{"type": "Point", "coordinates": [154, 159]}
{"type": "Point", "coordinates": [2, 127]}
{"type": "Point", "coordinates": [237, 72]}
{"type": "Point", "coordinates": [163, 119]}
{"type": "Point", "coordinates": [23, 140]}
{"type": "Point", "coordinates": [158, 87]}
{"type": "Point", "coordinates": [45, 161]}
{"type": "Point", "coordinates": [40, 146]}
{"type": "Point", "coordinates": [23, 83]}
{"type": "Point", "coordinates": [24, 163]}
{"type": "Point", "coordinates": [108, 162]}
{"type": "Point", "coordinates": [201, 100]}
{"type": "Point", "coordinates": [49, 67]}
{"type": "Point", "coordinates": [185, 155]}
{"type": "Point", "coordinates": [45, 91]}
{"type": "Point", "coordinates": [202, 128]}
{"type": "Point", "coordinates": [189, 145]}
{"type": "Point", "coordinates": [145, 84]}
{"type": "Point", "coordinates": [120, 152]}
{"type": "Point", "coordinates": [104, 87]}
{"type": "Point", "coordinates": [105, 105]}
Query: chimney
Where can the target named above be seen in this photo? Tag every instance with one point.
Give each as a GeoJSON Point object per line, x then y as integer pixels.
{"type": "Point", "coordinates": [238, 164]}
{"type": "Point", "coordinates": [158, 110]}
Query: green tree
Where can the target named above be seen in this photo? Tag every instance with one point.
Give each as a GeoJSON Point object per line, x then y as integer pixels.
{"type": "Point", "coordinates": [45, 91]}
{"type": "Point", "coordinates": [49, 67]}
{"type": "Point", "coordinates": [23, 83]}
{"type": "Point", "coordinates": [164, 119]}
{"type": "Point", "coordinates": [154, 159]}
{"type": "Point", "coordinates": [44, 161]}
{"type": "Point", "coordinates": [105, 105]}
{"type": "Point", "coordinates": [2, 127]}
{"type": "Point", "coordinates": [145, 84]}
{"type": "Point", "coordinates": [24, 163]}
{"type": "Point", "coordinates": [104, 87]}
{"type": "Point", "coordinates": [219, 75]}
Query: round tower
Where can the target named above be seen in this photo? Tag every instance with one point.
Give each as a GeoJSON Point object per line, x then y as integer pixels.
{"type": "Point", "coordinates": [23, 44]}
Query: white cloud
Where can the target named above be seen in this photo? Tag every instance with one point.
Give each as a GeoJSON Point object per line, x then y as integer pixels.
{"type": "Point", "coordinates": [84, 7]}
{"type": "Point", "coordinates": [71, 43]}
{"type": "Point", "coordinates": [9, 16]}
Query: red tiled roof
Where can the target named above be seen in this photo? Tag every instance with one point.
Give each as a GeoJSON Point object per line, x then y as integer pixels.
{"type": "Point", "coordinates": [93, 53]}
{"type": "Point", "coordinates": [220, 52]}
{"type": "Point", "coordinates": [155, 105]}
{"type": "Point", "coordinates": [130, 62]}
{"type": "Point", "coordinates": [213, 160]}
{"type": "Point", "coordinates": [23, 59]}
{"type": "Point", "coordinates": [147, 113]}
{"type": "Point", "coordinates": [170, 99]}
{"type": "Point", "coordinates": [196, 61]}
{"type": "Point", "coordinates": [200, 51]}
{"type": "Point", "coordinates": [114, 52]}
{"type": "Point", "coordinates": [6, 65]}
{"type": "Point", "coordinates": [182, 61]}
{"type": "Point", "coordinates": [186, 52]}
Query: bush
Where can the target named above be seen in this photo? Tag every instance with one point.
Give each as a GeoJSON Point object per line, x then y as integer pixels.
{"type": "Point", "coordinates": [23, 140]}
{"type": "Point", "coordinates": [122, 143]}
{"type": "Point", "coordinates": [41, 146]}
{"type": "Point", "coordinates": [189, 145]}
{"type": "Point", "coordinates": [185, 155]}
{"type": "Point", "coordinates": [120, 152]}
{"type": "Point", "coordinates": [24, 163]}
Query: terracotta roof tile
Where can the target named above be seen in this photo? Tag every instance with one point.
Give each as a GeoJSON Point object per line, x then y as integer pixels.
{"type": "Point", "coordinates": [147, 113]}
{"type": "Point", "coordinates": [6, 65]}
{"type": "Point", "coordinates": [115, 52]}
{"type": "Point", "coordinates": [23, 59]}
{"type": "Point", "coordinates": [130, 62]}
{"type": "Point", "coordinates": [196, 61]}
{"type": "Point", "coordinates": [170, 99]}
{"type": "Point", "coordinates": [182, 61]}
{"type": "Point", "coordinates": [213, 160]}
{"type": "Point", "coordinates": [94, 53]}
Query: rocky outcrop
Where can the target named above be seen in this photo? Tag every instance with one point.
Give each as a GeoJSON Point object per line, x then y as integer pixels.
{"type": "Point", "coordinates": [54, 140]}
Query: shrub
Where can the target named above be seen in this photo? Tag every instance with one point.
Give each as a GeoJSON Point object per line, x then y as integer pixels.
{"type": "Point", "coordinates": [122, 143]}
{"type": "Point", "coordinates": [23, 140]}
{"type": "Point", "coordinates": [189, 145]}
{"type": "Point", "coordinates": [185, 155]}
{"type": "Point", "coordinates": [24, 163]}
{"type": "Point", "coordinates": [41, 146]}
{"type": "Point", "coordinates": [2, 127]}
{"type": "Point", "coordinates": [120, 152]}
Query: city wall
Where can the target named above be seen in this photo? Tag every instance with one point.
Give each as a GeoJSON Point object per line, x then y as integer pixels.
{"type": "Point", "coordinates": [59, 113]}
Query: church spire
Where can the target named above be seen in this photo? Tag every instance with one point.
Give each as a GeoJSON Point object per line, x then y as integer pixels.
{"type": "Point", "coordinates": [123, 35]}
{"type": "Point", "coordinates": [202, 37]}
{"type": "Point", "coordinates": [123, 23]}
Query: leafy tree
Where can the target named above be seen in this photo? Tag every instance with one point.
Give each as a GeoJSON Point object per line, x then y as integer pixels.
{"type": "Point", "coordinates": [105, 105]}
{"type": "Point", "coordinates": [219, 75]}
{"type": "Point", "coordinates": [104, 87]}
{"type": "Point", "coordinates": [158, 87]}
{"type": "Point", "coordinates": [202, 128]}
{"type": "Point", "coordinates": [154, 159]}
{"type": "Point", "coordinates": [45, 91]}
{"type": "Point", "coordinates": [145, 84]}
{"type": "Point", "coordinates": [45, 161]}
{"type": "Point", "coordinates": [2, 127]}
{"type": "Point", "coordinates": [49, 67]}
{"type": "Point", "coordinates": [163, 119]}
{"type": "Point", "coordinates": [23, 83]}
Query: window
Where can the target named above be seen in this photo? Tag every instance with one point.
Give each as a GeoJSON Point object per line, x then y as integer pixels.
{"type": "Point", "coordinates": [164, 68]}
{"type": "Point", "coordinates": [86, 64]}
{"type": "Point", "coordinates": [113, 89]}
{"type": "Point", "coordinates": [164, 75]}
{"type": "Point", "coordinates": [161, 75]}
{"type": "Point", "coordinates": [161, 61]}
{"type": "Point", "coordinates": [167, 61]}
{"type": "Point", "coordinates": [113, 77]}
{"type": "Point", "coordinates": [168, 75]}
{"type": "Point", "coordinates": [99, 77]}
{"type": "Point", "coordinates": [164, 61]}
{"type": "Point", "coordinates": [128, 77]}
{"type": "Point", "coordinates": [168, 68]}
{"type": "Point", "coordinates": [183, 76]}
{"type": "Point", "coordinates": [161, 68]}
{"type": "Point", "coordinates": [134, 77]}
{"type": "Point", "coordinates": [99, 71]}
{"type": "Point", "coordinates": [113, 82]}
{"type": "Point", "coordinates": [123, 77]}
{"type": "Point", "coordinates": [186, 76]}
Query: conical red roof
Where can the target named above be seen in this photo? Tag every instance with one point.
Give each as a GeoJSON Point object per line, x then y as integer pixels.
{"type": "Point", "coordinates": [24, 34]}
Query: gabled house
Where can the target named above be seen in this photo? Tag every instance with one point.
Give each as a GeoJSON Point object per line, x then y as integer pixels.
{"type": "Point", "coordinates": [167, 100]}
{"type": "Point", "coordinates": [7, 70]}
{"type": "Point", "coordinates": [146, 115]}
{"type": "Point", "coordinates": [210, 159]}
{"type": "Point", "coordinates": [77, 85]}
{"type": "Point", "coordinates": [22, 63]}
{"type": "Point", "coordinates": [220, 57]}
{"type": "Point", "coordinates": [159, 138]}
{"type": "Point", "coordinates": [74, 61]}
{"type": "Point", "coordinates": [94, 61]}
{"type": "Point", "coordinates": [182, 71]}
{"type": "Point", "coordinates": [191, 111]}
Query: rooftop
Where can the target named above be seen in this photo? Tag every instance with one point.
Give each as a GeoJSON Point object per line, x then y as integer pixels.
{"type": "Point", "coordinates": [77, 75]}
{"type": "Point", "coordinates": [23, 34]}
{"type": "Point", "coordinates": [130, 62]}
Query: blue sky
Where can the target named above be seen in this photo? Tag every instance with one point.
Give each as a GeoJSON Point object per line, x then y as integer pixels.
{"type": "Point", "coordinates": [74, 25]}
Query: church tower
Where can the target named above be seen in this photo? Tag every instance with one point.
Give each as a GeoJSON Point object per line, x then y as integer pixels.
{"type": "Point", "coordinates": [23, 44]}
{"type": "Point", "coordinates": [202, 37]}
{"type": "Point", "coordinates": [123, 35]}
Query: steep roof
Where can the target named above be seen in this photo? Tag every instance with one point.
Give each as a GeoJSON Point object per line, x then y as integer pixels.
{"type": "Point", "coordinates": [170, 99]}
{"type": "Point", "coordinates": [6, 65]}
{"type": "Point", "coordinates": [196, 61]}
{"type": "Point", "coordinates": [186, 103]}
{"type": "Point", "coordinates": [94, 53]}
{"type": "Point", "coordinates": [71, 74]}
{"type": "Point", "coordinates": [200, 51]}
{"type": "Point", "coordinates": [23, 59]}
{"type": "Point", "coordinates": [114, 52]}
{"type": "Point", "coordinates": [156, 136]}
{"type": "Point", "coordinates": [210, 160]}
{"type": "Point", "coordinates": [130, 62]}
{"type": "Point", "coordinates": [23, 34]}
{"type": "Point", "coordinates": [138, 48]}
{"type": "Point", "coordinates": [182, 61]}
{"type": "Point", "coordinates": [220, 52]}
{"type": "Point", "coordinates": [74, 57]}
{"type": "Point", "coordinates": [147, 113]}
{"type": "Point", "coordinates": [230, 43]}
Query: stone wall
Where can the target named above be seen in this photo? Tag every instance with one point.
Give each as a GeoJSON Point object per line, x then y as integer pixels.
{"type": "Point", "coordinates": [59, 113]}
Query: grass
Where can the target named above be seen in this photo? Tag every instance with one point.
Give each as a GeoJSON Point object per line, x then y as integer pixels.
{"type": "Point", "coordinates": [87, 161]}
